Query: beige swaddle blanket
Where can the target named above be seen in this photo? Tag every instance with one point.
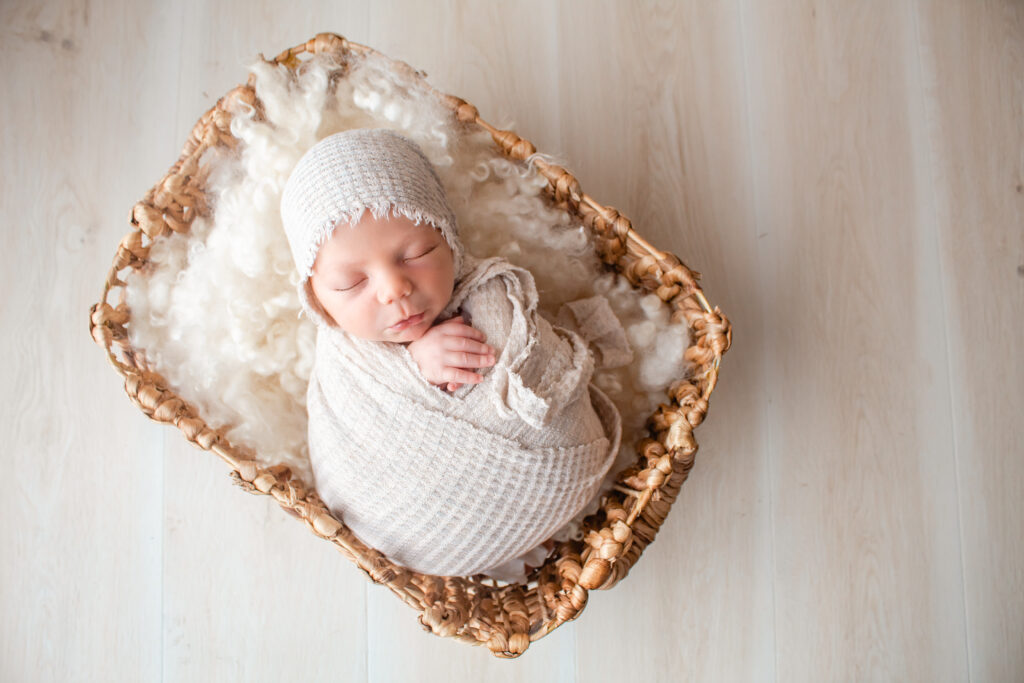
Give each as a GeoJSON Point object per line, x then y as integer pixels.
{"type": "Point", "coordinates": [449, 483]}
{"type": "Point", "coordinates": [459, 483]}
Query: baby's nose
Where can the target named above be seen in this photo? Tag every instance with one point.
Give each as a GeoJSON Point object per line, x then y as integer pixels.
{"type": "Point", "coordinates": [393, 286]}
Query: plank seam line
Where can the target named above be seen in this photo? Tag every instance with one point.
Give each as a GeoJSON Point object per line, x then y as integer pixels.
{"type": "Point", "coordinates": [943, 293]}
{"type": "Point", "coordinates": [742, 8]}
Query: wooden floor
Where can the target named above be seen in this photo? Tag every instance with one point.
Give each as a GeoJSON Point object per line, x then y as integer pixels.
{"type": "Point", "coordinates": [848, 177]}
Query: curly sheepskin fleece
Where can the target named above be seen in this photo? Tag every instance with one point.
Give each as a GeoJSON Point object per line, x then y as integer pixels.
{"type": "Point", "coordinates": [217, 311]}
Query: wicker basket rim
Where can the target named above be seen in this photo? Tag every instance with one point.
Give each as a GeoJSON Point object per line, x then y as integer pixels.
{"type": "Point", "coordinates": [504, 618]}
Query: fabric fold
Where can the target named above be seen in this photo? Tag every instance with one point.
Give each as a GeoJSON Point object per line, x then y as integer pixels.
{"type": "Point", "coordinates": [593, 319]}
{"type": "Point", "coordinates": [455, 483]}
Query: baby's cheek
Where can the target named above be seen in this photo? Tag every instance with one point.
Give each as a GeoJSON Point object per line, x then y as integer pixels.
{"type": "Point", "coordinates": [444, 284]}
{"type": "Point", "coordinates": [366, 318]}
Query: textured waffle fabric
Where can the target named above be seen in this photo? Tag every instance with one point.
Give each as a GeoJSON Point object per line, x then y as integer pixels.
{"type": "Point", "coordinates": [447, 483]}
{"type": "Point", "coordinates": [459, 483]}
{"type": "Point", "coordinates": [372, 169]}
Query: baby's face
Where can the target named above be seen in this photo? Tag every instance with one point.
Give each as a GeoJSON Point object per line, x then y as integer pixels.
{"type": "Point", "coordinates": [384, 279]}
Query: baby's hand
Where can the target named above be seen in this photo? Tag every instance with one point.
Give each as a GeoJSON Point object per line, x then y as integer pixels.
{"type": "Point", "coordinates": [447, 351]}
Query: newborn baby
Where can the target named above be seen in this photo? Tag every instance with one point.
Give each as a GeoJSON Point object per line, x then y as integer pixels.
{"type": "Point", "coordinates": [451, 426]}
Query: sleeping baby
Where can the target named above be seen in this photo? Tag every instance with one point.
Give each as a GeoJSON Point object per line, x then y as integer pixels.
{"type": "Point", "coordinates": [451, 425]}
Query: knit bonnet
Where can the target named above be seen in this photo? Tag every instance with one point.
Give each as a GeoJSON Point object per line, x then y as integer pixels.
{"type": "Point", "coordinates": [344, 174]}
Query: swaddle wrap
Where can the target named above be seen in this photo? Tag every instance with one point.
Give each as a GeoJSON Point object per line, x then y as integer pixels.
{"type": "Point", "coordinates": [456, 483]}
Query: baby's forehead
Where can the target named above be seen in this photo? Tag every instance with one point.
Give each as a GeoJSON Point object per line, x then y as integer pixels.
{"type": "Point", "coordinates": [369, 237]}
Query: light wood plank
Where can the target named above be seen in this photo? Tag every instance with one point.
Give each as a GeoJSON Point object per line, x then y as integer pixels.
{"type": "Point", "coordinates": [80, 575]}
{"type": "Point", "coordinates": [867, 577]}
{"type": "Point", "coordinates": [972, 57]}
{"type": "Point", "coordinates": [654, 114]}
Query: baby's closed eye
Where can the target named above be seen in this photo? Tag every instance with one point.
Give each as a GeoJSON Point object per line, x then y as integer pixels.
{"type": "Point", "coordinates": [421, 254]}
{"type": "Point", "coordinates": [345, 287]}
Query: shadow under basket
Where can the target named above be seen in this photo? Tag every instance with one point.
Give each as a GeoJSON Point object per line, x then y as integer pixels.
{"type": "Point", "coordinates": [477, 610]}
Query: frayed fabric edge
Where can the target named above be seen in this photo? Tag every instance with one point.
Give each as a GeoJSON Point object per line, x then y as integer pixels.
{"type": "Point", "coordinates": [351, 217]}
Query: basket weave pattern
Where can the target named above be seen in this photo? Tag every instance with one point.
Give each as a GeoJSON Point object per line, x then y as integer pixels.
{"type": "Point", "coordinates": [473, 609]}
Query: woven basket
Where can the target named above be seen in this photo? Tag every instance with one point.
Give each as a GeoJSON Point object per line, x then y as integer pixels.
{"type": "Point", "coordinates": [477, 610]}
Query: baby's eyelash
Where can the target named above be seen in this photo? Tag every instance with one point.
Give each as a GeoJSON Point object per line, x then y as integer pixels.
{"type": "Point", "coordinates": [412, 258]}
{"type": "Point", "coordinates": [346, 289]}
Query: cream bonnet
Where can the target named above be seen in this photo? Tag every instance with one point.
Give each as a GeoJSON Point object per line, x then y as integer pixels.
{"type": "Point", "coordinates": [344, 174]}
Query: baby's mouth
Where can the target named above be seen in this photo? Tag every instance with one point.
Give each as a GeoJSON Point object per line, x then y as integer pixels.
{"type": "Point", "coordinates": [407, 322]}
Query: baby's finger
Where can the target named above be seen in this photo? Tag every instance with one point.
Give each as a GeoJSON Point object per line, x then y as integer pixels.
{"type": "Point", "coordinates": [462, 376]}
{"type": "Point", "coordinates": [455, 327]}
{"type": "Point", "coordinates": [466, 344]}
{"type": "Point", "coordinates": [464, 359]}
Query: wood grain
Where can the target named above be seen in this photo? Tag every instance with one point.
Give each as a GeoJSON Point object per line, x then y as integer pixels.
{"type": "Point", "coordinates": [846, 176]}
{"type": "Point", "coordinates": [80, 577]}
{"type": "Point", "coordinates": [867, 582]}
{"type": "Point", "coordinates": [678, 166]}
{"type": "Point", "coordinates": [973, 58]}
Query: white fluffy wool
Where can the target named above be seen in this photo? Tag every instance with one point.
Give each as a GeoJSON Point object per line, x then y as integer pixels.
{"type": "Point", "coordinates": [217, 311]}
